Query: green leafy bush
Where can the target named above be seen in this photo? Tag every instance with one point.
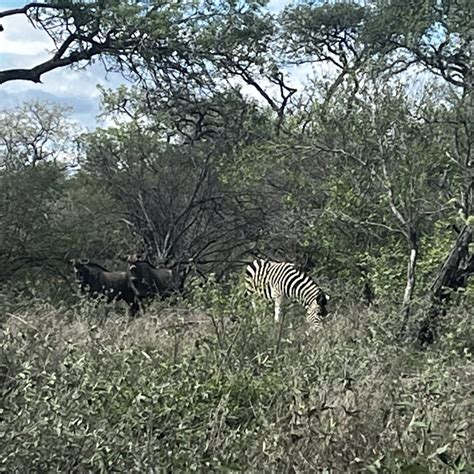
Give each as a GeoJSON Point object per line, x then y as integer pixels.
{"type": "Point", "coordinates": [213, 384]}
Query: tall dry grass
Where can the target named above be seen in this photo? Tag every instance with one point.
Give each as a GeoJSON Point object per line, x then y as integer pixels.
{"type": "Point", "coordinates": [212, 384]}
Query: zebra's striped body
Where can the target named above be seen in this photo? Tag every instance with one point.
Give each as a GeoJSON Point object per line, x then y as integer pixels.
{"type": "Point", "coordinates": [277, 281]}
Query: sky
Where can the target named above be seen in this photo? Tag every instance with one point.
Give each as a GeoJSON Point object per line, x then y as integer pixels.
{"type": "Point", "coordinates": [21, 46]}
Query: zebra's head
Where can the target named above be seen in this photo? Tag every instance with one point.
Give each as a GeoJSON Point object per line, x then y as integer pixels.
{"type": "Point", "coordinates": [317, 311]}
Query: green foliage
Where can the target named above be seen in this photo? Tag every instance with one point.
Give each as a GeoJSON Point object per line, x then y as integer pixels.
{"type": "Point", "coordinates": [319, 31]}
{"type": "Point", "coordinates": [221, 388]}
{"type": "Point", "coordinates": [435, 34]}
{"type": "Point", "coordinates": [35, 132]}
{"type": "Point", "coordinates": [93, 226]}
{"type": "Point", "coordinates": [28, 212]}
{"type": "Point", "coordinates": [435, 247]}
{"type": "Point", "coordinates": [32, 180]}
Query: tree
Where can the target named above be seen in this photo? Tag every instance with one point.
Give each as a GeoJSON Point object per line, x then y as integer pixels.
{"type": "Point", "coordinates": [177, 47]}
{"type": "Point", "coordinates": [79, 32]}
{"type": "Point", "coordinates": [329, 34]}
{"type": "Point", "coordinates": [37, 132]}
{"type": "Point", "coordinates": [435, 35]}
{"type": "Point", "coordinates": [91, 223]}
{"type": "Point", "coordinates": [374, 44]}
{"type": "Point", "coordinates": [36, 147]}
{"type": "Point", "coordinates": [163, 169]}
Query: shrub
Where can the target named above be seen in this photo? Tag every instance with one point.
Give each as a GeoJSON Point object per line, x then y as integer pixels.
{"type": "Point", "coordinates": [213, 384]}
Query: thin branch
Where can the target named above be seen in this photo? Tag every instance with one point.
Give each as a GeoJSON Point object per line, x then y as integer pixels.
{"type": "Point", "coordinates": [34, 74]}
{"type": "Point", "coordinates": [346, 218]}
{"type": "Point", "coordinates": [391, 199]}
{"type": "Point", "coordinates": [29, 6]}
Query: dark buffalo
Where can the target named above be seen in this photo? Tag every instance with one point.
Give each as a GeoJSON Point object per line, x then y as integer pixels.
{"type": "Point", "coordinates": [152, 281]}
{"type": "Point", "coordinates": [96, 280]}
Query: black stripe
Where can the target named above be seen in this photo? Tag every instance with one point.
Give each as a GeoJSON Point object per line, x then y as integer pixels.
{"type": "Point", "coordinates": [285, 279]}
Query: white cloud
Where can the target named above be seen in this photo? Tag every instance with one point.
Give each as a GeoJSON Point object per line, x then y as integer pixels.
{"type": "Point", "coordinates": [20, 38]}
{"type": "Point", "coordinates": [22, 46]}
{"type": "Point", "coordinates": [78, 89]}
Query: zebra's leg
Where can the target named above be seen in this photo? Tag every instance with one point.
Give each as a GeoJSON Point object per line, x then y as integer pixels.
{"type": "Point", "coordinates": [278, 299]}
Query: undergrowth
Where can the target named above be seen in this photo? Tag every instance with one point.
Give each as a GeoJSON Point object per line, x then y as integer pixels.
{"type": "Point", "coordinates": [213, 384]}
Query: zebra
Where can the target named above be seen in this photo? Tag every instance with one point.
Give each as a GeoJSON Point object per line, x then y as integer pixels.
{"type": "Point", "coordinates": [277, 281]}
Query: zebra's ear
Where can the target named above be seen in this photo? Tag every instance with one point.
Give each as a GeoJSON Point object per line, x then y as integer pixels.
{"type": "Point", "coordinates": [322, 299]}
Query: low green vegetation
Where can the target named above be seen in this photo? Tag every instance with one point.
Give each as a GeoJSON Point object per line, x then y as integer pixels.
{"type": "Point", "coordinates": [212, 384]}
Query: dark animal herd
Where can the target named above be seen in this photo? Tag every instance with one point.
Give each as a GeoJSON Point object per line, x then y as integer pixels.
{"type": "Point", "coordinates": [141, 280]}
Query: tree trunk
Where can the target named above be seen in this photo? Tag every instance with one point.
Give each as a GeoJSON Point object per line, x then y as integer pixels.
{"type": "Point", "coordinates": [411, 279]}
{"type": "Point", "coordinates": [454, 274]}
{"type": "Point", "coordinates": [455, 270]}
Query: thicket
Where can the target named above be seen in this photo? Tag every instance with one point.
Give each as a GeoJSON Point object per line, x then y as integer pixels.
{"type": "Point", "coordinates": [213, 384]}
{"type": "Point", "coordinates": [362, 175]}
